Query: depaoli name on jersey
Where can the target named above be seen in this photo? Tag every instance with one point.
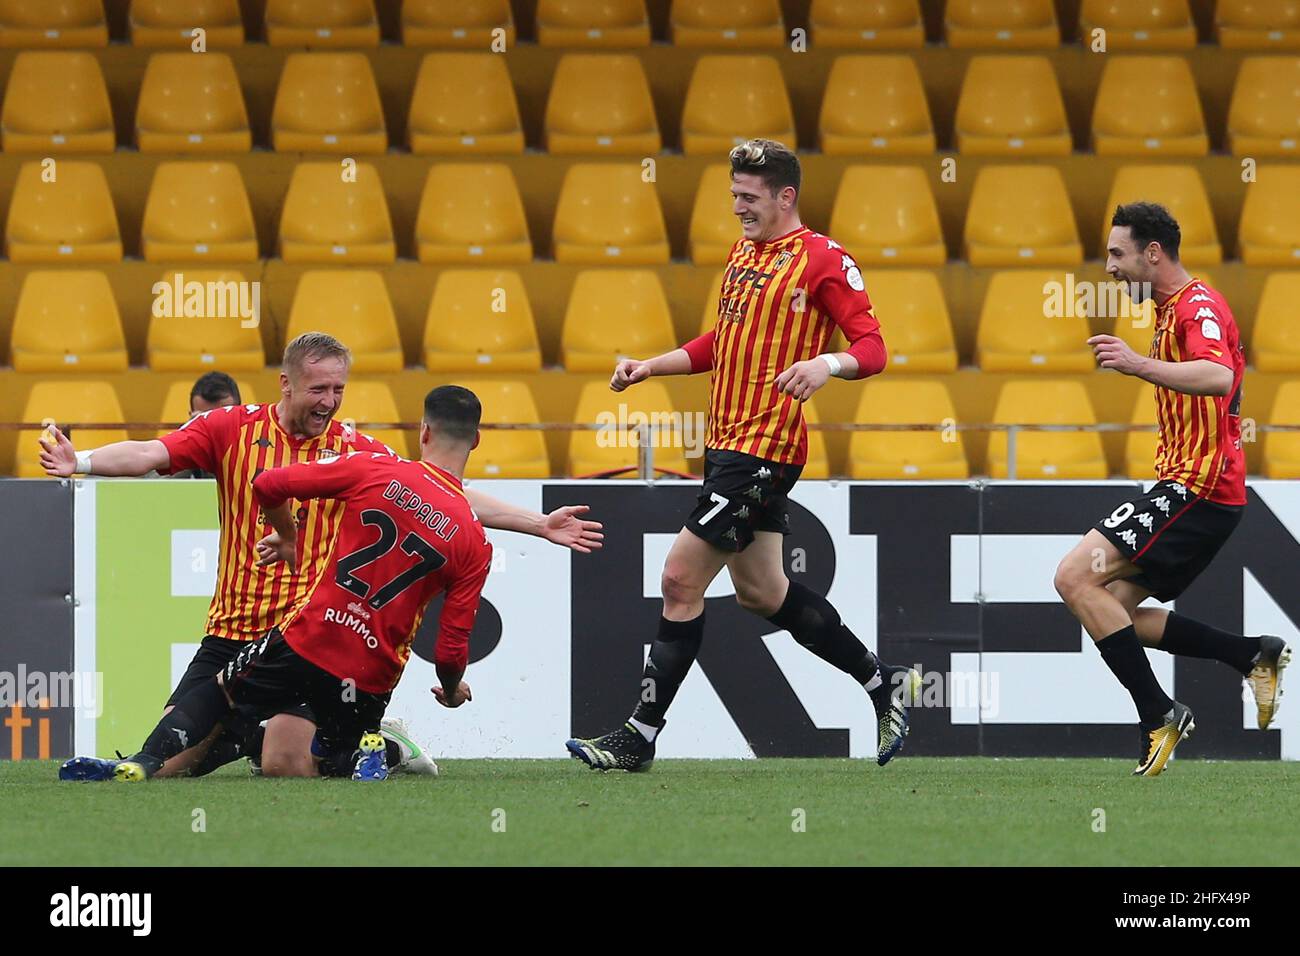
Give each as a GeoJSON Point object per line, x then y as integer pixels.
{"type": "Point", "coordinates": [406, 499]}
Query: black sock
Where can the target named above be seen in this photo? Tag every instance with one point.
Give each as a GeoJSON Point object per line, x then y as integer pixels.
{"type": "Point", "coordinates": [1191, 638]}
{"type": "Point", "coordinates": [188, 724]}
{"type": "Point", "coordinates": [813, 622]}
{"type": "Point", "coordinates": [227, 748]}
{"type": "Point", "coordinates": [392, 753]}
{"type": "Point", "coordinates": [1127, 660]}
{"type": "Point", "coordinates": [672, 653]}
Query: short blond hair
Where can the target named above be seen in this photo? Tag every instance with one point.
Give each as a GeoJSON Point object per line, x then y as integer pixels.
{"type": "Point", "coordinates": [772, 162]}
{"type": "Point", "coordinates": [312, 347]}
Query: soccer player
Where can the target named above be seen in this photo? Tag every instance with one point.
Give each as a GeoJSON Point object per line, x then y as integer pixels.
{"type": "Point", "coordinates": [784, 291]}
{"type": "Point", "coordinates": [236, 443]}
{"type": "Point", "coordinates": [404, 533]}
{"type": "Point", "coordinates": [211, 390]}
{"type": "Point", "coordinates": [1159, 542]}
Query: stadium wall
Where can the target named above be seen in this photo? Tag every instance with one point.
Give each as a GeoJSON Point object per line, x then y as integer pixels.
{"type": "Point", "coordinates": [955, 578]}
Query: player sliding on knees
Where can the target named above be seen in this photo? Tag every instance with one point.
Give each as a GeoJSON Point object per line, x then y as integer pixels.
{"type": "Point", "coordinates": [784, 291]}
{"type": "Point", "coordinates": [235, 444]}
{"type": "Point", "coordinates": [1157, 544]}
{"type": "Point", "coordinates": [405, 533]}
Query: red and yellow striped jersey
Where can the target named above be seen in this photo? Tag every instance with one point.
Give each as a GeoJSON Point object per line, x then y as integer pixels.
{"type": "Point", "coordinates": [1200, 435]}
{"type": "Point", "coordinates": [236, 443]}
{"type": "Point", "coordinates": [779, 304]}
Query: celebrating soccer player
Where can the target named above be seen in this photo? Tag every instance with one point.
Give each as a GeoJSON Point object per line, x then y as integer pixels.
{"type": "Point", "coordinates": [1159, 542]}
{"type": "Point", "coordinates": [784, 291]}
{"type": "Point", "coordinates": [236, 443]}
{"type": "Point", "coordinates": [403, 532]}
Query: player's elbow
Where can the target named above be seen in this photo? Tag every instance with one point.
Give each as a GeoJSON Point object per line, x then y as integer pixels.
{"type": "Point", "coordinates": [1221, 382]}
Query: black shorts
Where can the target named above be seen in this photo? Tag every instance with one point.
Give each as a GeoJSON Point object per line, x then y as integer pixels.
{"type": "Point", "coordinates": [269, 674]}
{"type": "Point", "coordinates": [741, 494]}
{"type": "Point", "coordinates": [213, 655]}
{"type": "Point", "coordinates": [1170, 534]}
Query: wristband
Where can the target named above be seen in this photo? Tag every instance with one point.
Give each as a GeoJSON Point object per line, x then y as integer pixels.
{"type": "Point", "coordinates": [83, 463]}
{"type": "Point", "coordinates": [832, 362]}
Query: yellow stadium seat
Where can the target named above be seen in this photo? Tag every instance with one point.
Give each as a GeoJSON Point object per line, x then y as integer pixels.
{"type": "Point", "coordinates": [906, 454]}
{"type": "Point", "coordinates": [1180, 190]}
{"type": "Point", "coordinates": [600, 103]}
{"type": "Point", "coordinates": [1269, 233]}
{"type": "Point", "coordinates": [740, 23]}
{"type": "Point", "coordinates": [328, 103]}
{"type": "Point", "coordinates": [472, 213]}
{"type": "Point", "coordinates": [914, 320]}
{"type": "Point", "coordinates": [609, 215]}
{"type": "Point", "coordinates": [321, 23]}
{"type": "Point", "coordinates": [596, 452]}
{"type": "Point", "coordinates": [1275, 342]}
{"type": "Point", "coordinates": [67, 321]}
{"type": "Point", "coordinates": [1140, 447]}
{"type": "Point", "coordinates": [818, 465]}
{"type": "Point", "coordinates": [875, 104]}
{"type": "Point", "coordinates": [1012, 106]}
{"type": "Point", "coordinates": [1149, 25]}
{"type": "Point", "coordinates": [1264, 118]}
{"type": "Point", "coordinates": [709, 318]}
{"type": "Point", "coordinates": [218, 336]}
{"type": "Point", "coordinates": [56, 102]}
{"type": "Point", "coordinates": [501, 453]}
{"type": "Point", "coordinates": [334, 212]}
{"type": "Point", "coordinates": [166, 23]}
{"type": "Point", "coordinates": [734, 98]}
{"type": "Point", "coordinates": [584, 23]}
{"type": "Point", "coordinates": [1258, 24]}
{"type": "Point", "coordinates": [1017, 335]}
{"type": "Point", "coordinates": [1281, 451]}
{"type": "Point", "coordinates": [191, 104]}
{"type": "Point", "coordinates": [1148, 105]}
{"type": "Point", "coordinates": [868, 24]}
{"type": "Point", "coordinates": [52, 23]}
{"type": "Point", "coordinates": [1021, 216]}
{"type": "Point", "coordinates": [885, 215]}
{"type": "Point", "coordinates": [614, 314]}
{"type": "Point", "coordinates": [353, 306]}
{"type": "Point", "coordinates": [198, 212]}
{"type": "Point", "coordinates": [365, 402]}
{"type": "Point", "coordinates": [464, 103]}
{"type": "Point", "coordinates": [78, 401]}
{"type": "Point", "coordinates": [175, 409]}
{"type": "Point", "coordinates": [62, 213]}
{"type": "Point", "coordinates": [1018, 25]}
{"type": "Point", "coordinates": [466, 23]}
{"type": "Point", "coordinates": [1040, 454]}
{"type": "Point", "coordinates": [714, 227]}
{"type": "Point", "coordinates": [480, 320]}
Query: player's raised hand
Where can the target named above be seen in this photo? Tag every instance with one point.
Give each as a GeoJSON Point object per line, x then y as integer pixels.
{"type": "Point", "coordinates": [801, 379]}
{"type": "Point", "coordinates": [58, 457]}
{"type": "Point", "coordinates": [459, 696]}
{"type": "Point", "coordinates": [1113, 352]}
{"type": "Point", "coordinates": [566, 527]}
{"type": "Point", "coordinates": [272, 549]}
{"type": "Point", "coordinates": [629, 372]}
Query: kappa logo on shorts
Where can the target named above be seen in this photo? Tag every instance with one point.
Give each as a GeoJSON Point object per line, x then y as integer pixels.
{"type": "Point", "coordinates": [743, 512]}
{"type": "Point", "coordinates": [729, 534]}
{"type": "Point", "coordinates": [1129, 537]}
{"type": "Point", "coordinates": [1178, 489]}
{"type": "Point", "coordinates": [763, 473]}
{"type": "Point", "coordinates": [1145, 520]}
{"type": "Point", "coordinates": [1162, 503]}
{"type": "Point", "coordinates": [754, 492]}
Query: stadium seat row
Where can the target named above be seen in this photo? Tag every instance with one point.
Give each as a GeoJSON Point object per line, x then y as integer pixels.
{"type": "Point", "coordinates": [480, 320]}
{"type": "Point", "coordinates": [608, 214]}
{"type": "Point", "coordinates": [57, 101]}
{"type": "Point", "coordinates": [880, 454]}
{"type": "Point", "coordinates": [1154, 24]}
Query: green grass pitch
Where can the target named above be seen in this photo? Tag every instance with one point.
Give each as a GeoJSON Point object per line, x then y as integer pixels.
{"type": "Point", "coordinates": [917, 811]}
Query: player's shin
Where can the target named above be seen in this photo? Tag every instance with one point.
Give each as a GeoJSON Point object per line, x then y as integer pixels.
{"type": "Point", "coordinates": [1127, 660]}
{"type": "Point", "coordinates": [1189, 638]}
{"type": "Point", "coordinates": [673, 652]}
{"type": "Point", "coordinates": [190, 721]}
{"type": "Point", "coordinates": [814, 623]}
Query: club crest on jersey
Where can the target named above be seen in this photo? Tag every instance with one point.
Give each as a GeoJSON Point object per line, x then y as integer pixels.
{"type": "Point", "coordinates": [782, 260]}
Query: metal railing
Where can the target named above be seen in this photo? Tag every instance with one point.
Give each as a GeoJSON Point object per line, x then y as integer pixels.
{"type": "Point", "coordinates": [646, 433]}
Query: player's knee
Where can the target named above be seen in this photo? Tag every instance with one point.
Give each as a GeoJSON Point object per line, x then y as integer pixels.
{"type": "Point", "coordinates": [281, 763]}
{"type": "Point", "coordinates": [1070, 580]}
{"type": "Point", "coordinates": [677, 586]}
{"type": "Point", "coordinates": [758, 599]}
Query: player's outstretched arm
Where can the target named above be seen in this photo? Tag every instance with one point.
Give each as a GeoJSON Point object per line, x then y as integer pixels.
{"type": "Point", "coordinates": [1195, 377]}
{"type": "Point", "coordinates": [564, 526]}
{"type": "Point", "coordinates": [123, 459]}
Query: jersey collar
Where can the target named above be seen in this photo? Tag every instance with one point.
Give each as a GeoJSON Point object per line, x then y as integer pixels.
{"type": "Point", "coordinates": [274, 415]}
{"type": "Point", "coordinates": [444, 476]}
{"type": "Point", "coordinates": [792, 234]}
